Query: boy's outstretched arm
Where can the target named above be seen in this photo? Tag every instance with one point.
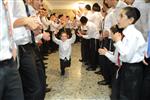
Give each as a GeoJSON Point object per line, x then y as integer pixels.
{"type": "Point", "coordinates": [57, 41]}
{"type": "Point", "coordinates": [73, 38]}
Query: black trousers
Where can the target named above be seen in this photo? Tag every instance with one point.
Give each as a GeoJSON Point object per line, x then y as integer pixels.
{"type": "Point", "coordinates": [115, 84]}
{"type": "Point", "coordinates": [41, 71]}
{"type": "Point", "coordinates": [146, 84]}
{"type": "Point", "coordinates": [131, 78]}
{"type": "Point", "coordinates": [85, 45]}
{"type": "Point", "coordinates": [93, 50]}
{"type": "Point", "coordinates": [28, 72]}
{"type": "Point", "coordinates": [64, 63]}
{"type": "Point", "coordinates": [10, 81]}
{"type": "Point", "coordinates": [107, 68]}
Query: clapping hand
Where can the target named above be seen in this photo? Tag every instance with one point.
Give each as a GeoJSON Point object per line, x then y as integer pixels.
{"type": "Point", "coordinates": [102, 51]}
{"type": "Point", "coordinates": [46, 36]}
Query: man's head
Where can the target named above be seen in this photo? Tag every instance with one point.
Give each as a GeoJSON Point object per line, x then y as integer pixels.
{"type": "Point", "coordinates": [83, 20]}
{"type": "Point", "coordinates": [129, 2]}
{"type": "Point", "coordinates": [111, 3]}
{"type": "Point", "coordinates": [36, 4]}
{"type": "Point", "coordinates": [88, 7]}
{"type": "Point", "coordinates": [96, 7]}
{"type": "Point", "coordinates": [128, 16]}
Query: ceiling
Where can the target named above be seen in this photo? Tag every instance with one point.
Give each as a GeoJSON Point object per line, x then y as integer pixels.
{"type": "Point", "coordinates": [67, 4]}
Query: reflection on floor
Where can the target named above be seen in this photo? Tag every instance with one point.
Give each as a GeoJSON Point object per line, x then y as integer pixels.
{"type": "Point", "coordinates": [77, 84]}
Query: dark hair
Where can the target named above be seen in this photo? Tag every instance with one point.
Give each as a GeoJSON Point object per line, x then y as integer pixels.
{"type": "Point", "coordinates": [59, 16]}
{"type": "Point", "coordinates": [96, 7]}
{"type": "Point", "coordinates": [132, 12]}
{"type": "Point", "coordinates": [106, 4]}
{"type": "Point", "coordinates": [115, 28]}
{"type": "Point", "coordinates": [88, 7]}
{"type": "Point", "coordinates": [83, 20]}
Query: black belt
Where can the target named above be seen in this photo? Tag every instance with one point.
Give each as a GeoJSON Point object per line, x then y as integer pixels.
{"type": "Point", "coordinates": [25, 47]}
{"type": "Point", "coordinates": [7, 61]}
{"type": "Point", "coordinates": [124, 63]}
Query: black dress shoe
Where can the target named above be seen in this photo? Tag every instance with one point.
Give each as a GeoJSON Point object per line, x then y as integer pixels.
{"type": "Point", "coordinates": [91, 69]}
{"type": "Point", "coordinates": [48, 90]}
{"type": "Point", "coordinates": [80, 60]}
{"type": "Point", "coordinates": [46, 85]}
{"type": "Point", "coordinates": [45, 58]}
{"type": "Point", "coordinates": [98, 72]}
{"type": "Point", "coordinates": [103, 82]}
{"type": "Point", "coordinates": [45, 63]}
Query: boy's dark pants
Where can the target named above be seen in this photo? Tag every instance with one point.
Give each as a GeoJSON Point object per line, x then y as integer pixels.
{"type": "Point", "coordinates": [146, 84]}
{"type": "Point", "coordinates": [131, 79]}
{"type": "Point", "coordinates": [63, 64]}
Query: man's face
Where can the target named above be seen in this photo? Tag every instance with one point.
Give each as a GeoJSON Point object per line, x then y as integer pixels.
{"type": "Point", "coordinates": [36, 4]}
{"type": "Point", "coordinates": [129, 2]}
{"type": "Point", "coordinates": [110, 3]}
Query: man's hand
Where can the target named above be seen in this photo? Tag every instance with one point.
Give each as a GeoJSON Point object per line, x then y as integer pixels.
{"type": "Point", "coordinates": [32, 23]}
{"type": "Point", "coordinates": [46, 36]}
{"type": "Point", "coordinates": [102, 51]}
{"type": "Point", "coordinates": [105, 34]}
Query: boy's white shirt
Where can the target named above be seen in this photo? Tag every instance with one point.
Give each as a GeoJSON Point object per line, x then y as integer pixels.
{"type": "Point", "coordinates": [65, 47]}
{"type": "Point", "coordinates": [132, 47]}
{"type": "Point", "coordinates": [113, 57]}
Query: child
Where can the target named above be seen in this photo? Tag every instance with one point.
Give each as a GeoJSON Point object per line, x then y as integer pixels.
{"type": "Point", "coordinates": [64, 49]}
{"type": "Point", "coordinates": [131, 50]}
{"type": "Point", "coordinates": [113, 58]}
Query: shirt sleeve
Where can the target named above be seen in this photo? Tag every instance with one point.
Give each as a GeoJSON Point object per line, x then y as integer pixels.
{"type": "Point", "coordinates": [111, 57]}
{"type": "Point", "coordinates": [38, 37]}
{"type": "Point", "coordinates": [73, 38]}
{"type": "Point", "coordinates": [57, 41]}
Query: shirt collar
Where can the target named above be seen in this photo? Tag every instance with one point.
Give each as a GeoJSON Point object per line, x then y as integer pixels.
{"type": "Point", "coordinates": [128, 29]}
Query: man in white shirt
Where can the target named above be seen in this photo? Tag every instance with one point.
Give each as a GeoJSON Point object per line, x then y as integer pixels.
{"type": "Point", "coordinates": [22, 36]}
{"type": "Point", "coordinates": [10, 85]}
{"type": "Point", "coordinates": [35, 7]}
{"type": "Point", "coordinates": [92, 33]}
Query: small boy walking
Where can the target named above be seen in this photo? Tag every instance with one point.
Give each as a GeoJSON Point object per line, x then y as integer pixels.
{"type": "Point", "coordinates": [64, 49]}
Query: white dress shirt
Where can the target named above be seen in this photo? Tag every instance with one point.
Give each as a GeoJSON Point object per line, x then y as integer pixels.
{"type": "Point", "coordinates": [21, 35]}
{"type": "Point", "coordinates": [132, 47]}
{"type": "Point", "coordinates": [92, 31]}
{"type": "Point", "coordinates": [65, 47]}
{"type": "Point", "coordinates": [113, 57]}
{"type": "Point", "coordinates": [5, 52]}
{"type": "Point", "coordinates": [113, 15]}
{"type": "Point", "coordinates": [96, 18]}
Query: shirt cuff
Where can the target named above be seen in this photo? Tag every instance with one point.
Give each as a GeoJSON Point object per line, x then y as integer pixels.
{"type": "Point", "coordinates": [117, 44]}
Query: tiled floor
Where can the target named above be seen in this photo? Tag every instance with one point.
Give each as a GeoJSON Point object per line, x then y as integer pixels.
{"type": "Point", "coordinates": [77, 84]}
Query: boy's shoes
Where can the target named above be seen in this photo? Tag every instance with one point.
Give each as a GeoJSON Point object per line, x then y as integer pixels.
{"type": "Point", "coordinates": [98, 72]}
{"type": "Point", "coordinates": [90, 69]}
{"type": "Point", "coordinates": [48, 90]}
{"type": "Point", "coordinates": [80, 60]}
{"type": "Point", "coordinates": [62, 73]}
{"type": "Point", "coordinates": [103, 82]}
